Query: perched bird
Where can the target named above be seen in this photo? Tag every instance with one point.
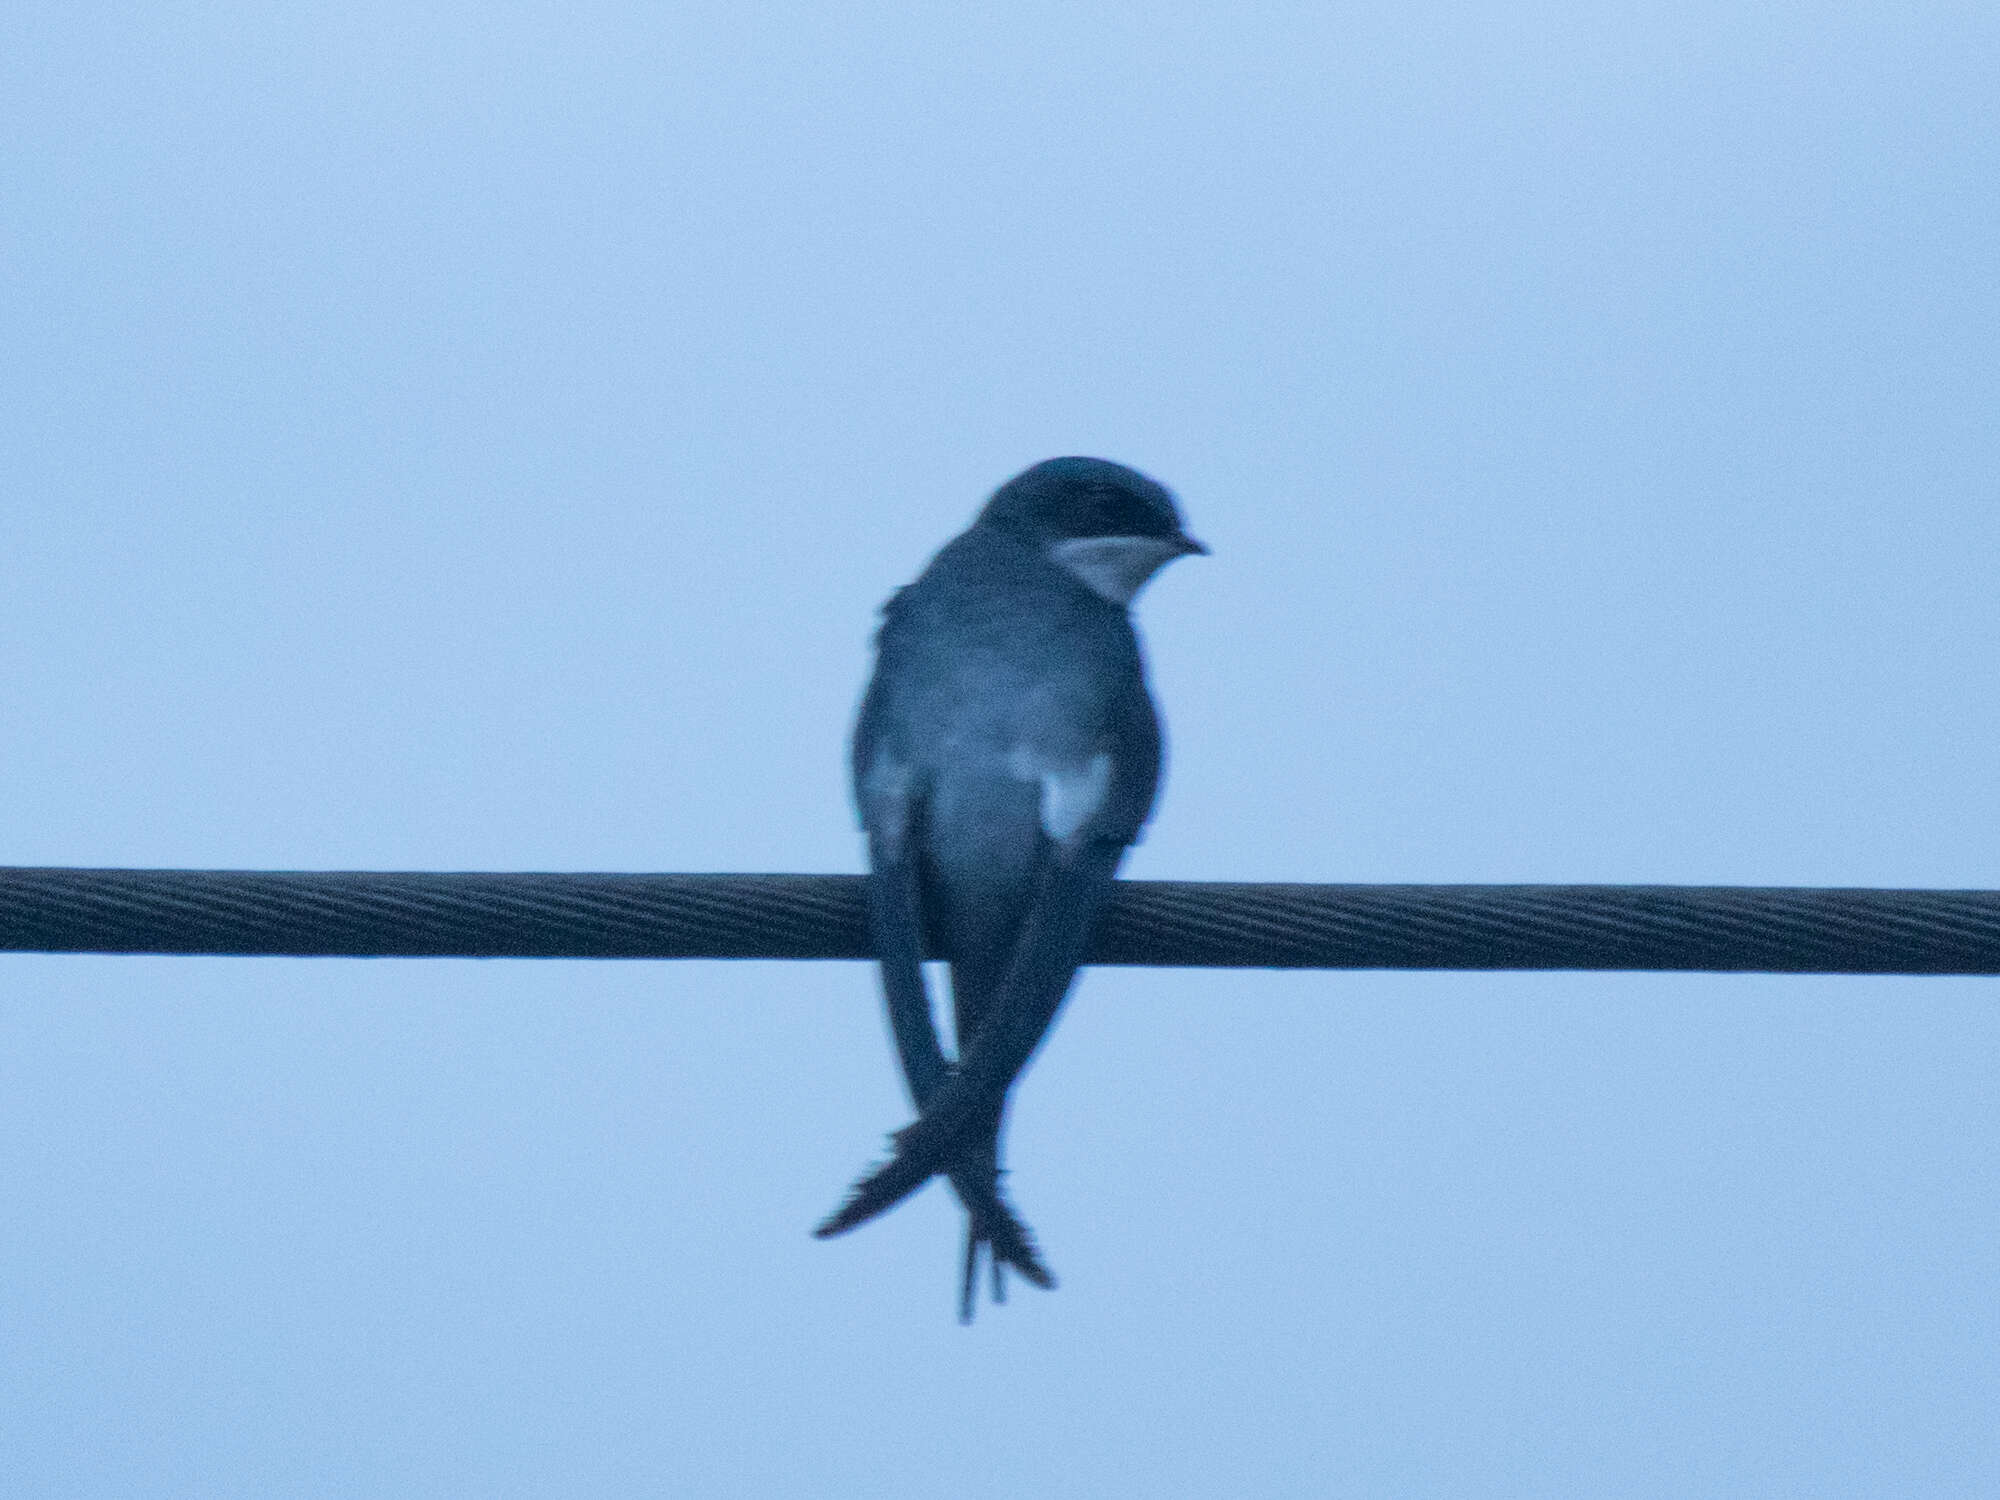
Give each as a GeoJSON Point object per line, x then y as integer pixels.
{"type": "Point", "coordinates": [1005, 755]}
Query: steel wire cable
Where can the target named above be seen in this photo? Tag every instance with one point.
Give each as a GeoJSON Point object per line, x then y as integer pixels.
{"type": "Point", "coordinates": [1180, 923]}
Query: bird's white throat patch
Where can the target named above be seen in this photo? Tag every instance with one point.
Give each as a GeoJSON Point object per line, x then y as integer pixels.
{"type": "Point", "coordinates": [1116, 567]}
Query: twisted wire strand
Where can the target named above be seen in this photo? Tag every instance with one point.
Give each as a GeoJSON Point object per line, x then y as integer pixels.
{"type": "Point", "coordinates": [1159, 923]}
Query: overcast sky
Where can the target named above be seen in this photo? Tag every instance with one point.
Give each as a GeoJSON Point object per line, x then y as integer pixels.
{"type": "Point", "coordinates": [479, 438]}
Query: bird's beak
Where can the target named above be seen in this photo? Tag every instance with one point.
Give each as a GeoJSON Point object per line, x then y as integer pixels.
{"type": "Point", "coordinates": [1189, 547]}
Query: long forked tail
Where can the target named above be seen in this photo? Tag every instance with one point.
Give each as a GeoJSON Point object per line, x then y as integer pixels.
{"type": "Point", "coordinates": [989, 1220]}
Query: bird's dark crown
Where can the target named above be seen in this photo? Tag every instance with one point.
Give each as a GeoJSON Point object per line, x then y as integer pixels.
{"type": "Point", "coordinates": [1061, 498]}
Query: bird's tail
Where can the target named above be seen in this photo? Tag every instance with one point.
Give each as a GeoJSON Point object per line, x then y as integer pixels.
{"type": "Point", "coordinates": [991, 1221]}
{"type": "Point", "coordinates": [974, 1170]}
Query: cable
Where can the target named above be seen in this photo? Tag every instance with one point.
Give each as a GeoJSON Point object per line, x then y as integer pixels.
{"type": "Point", "coordinates": [1209, 924]}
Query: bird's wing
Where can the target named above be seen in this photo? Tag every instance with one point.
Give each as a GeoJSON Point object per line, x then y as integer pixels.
{"type": "Point", "coordinates": [891, 810]}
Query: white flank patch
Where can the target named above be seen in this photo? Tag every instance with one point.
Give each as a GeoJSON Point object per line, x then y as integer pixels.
{"type": "Point", "coordinates": [1071, 795]}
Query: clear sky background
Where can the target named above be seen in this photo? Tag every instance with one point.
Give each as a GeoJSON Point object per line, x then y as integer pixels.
{"type": "Point", "coordinates": [479, 437]}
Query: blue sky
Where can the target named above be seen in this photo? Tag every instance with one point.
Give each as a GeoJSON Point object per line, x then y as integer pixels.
{"type": "Point", "coordinates": [478, 438]}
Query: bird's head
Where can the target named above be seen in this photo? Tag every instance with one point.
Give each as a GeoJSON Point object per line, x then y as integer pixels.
{"type": "Point", "coordinates": [1109, 525]}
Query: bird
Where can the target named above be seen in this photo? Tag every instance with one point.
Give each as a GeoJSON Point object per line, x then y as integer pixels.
{"type": "Point", "coordinates": [1006, 754]}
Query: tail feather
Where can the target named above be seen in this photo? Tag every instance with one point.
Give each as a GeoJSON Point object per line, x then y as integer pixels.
{"type": "Point", "coordinates": [967, 1297]}
{"type": "Point", "coordinates": [1007, 1244]}
{"type": "Point", "coordinates": [991, 1221]}
{"type": "Point", "coordinates": [968, 1287]}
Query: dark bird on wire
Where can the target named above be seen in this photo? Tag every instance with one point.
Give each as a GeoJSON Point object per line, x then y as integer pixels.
{"type": "Point", "coordinates": [1005, 755]}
